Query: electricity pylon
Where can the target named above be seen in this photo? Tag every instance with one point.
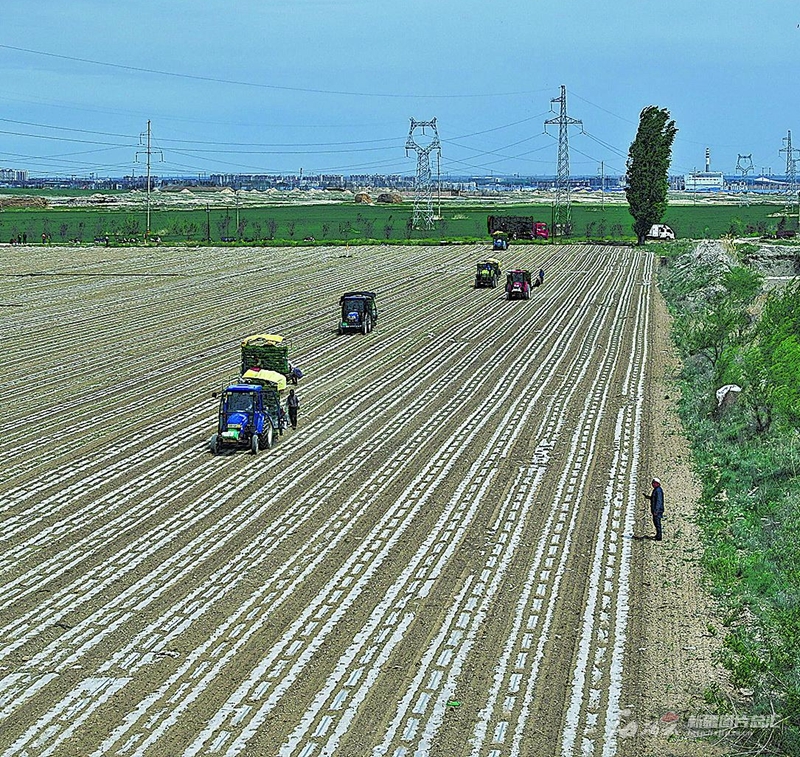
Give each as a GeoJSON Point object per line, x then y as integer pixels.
{"type": "Point", "coordinates": [562, 216]}
{"type": "Point", "coordinates": [744, 164]}
{"type": "Point", "coordinates": [791, 163]}
{"type": "Point", "coordinates": [423, 183]}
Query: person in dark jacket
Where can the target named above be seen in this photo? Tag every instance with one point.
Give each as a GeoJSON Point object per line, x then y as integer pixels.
{"type": "Point", "coordinates": [656, 506]}
{"type": "Point", "coordinates": [293, 404]}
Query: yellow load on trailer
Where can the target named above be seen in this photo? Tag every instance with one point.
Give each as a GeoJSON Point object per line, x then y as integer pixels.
{"type": "Point", "coordinates": [262, 340]}
{"type": "Point", "coordinates": [265, 377]}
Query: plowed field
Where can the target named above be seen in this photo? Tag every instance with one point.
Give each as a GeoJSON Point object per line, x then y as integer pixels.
{"type": "Point", "coordinates": [436, 562]}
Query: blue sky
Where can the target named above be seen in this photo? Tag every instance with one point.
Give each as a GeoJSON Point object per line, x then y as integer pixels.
{"type": "Point", "coordinates": [330, 85]}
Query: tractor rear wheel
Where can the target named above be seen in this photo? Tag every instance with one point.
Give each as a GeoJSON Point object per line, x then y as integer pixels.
{"type": "Point", "coordinates": [365, 325]}
{"type": "Point", "coordinates": [254, 444]}
{"type": "Point", "coordinates": [213, 444]}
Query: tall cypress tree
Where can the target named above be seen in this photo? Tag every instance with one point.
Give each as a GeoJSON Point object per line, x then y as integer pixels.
{"type": "Point", "coordinates": [648, 162]}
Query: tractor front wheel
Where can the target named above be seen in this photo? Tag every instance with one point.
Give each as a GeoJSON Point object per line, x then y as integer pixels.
{"type": "Point", "coordinates": [269, 436]}
{"type": "Point", "coordinates": [254, 444]}
{"type": "Point", "coordinates": [213, 444]}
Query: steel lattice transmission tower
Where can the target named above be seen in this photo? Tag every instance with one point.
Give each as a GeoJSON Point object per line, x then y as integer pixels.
{"type": "Point", "coordinates": [791, 163]}
{"type": "Point", "coordinates": [423, 184]}
{"type": "Point", "coordinates": [744, 164]}
{"type": "Point", "coordinates": [562, 217]}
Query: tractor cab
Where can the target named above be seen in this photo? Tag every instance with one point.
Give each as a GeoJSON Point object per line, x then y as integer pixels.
{"type": "Point", "coordinates": [359, 312]}
{"type": "Point", "coordinates": [487, 273]}
{"type": "Point", "coordinates": [518, 284]}
{"type": "Point", "coordinates": [499, 240]}
{"type": "Point", "coordinates": [251, 411]}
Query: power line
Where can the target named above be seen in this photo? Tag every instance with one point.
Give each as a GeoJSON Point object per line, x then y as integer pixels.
{"type": "Point", "coordinates": [607, 145]}
{"type": "Point", "coordinates": [258, 85]}
{"type": "Point", "coordinates": [600, 107]}
{"type": "Point", "coordinates": [61, 139]}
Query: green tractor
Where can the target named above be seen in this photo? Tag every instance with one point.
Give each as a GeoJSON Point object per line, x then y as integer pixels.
{"type": "Point", "coordinates": [488, 273]}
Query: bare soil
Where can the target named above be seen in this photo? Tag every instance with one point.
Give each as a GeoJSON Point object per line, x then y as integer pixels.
{"type": "Point", "coordinates": [444, 559]}
{"type": "Point", "coordinates": [671, 653]}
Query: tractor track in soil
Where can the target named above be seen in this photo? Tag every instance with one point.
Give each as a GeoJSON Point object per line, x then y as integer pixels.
{"type": "Point", "coordinates": [436, 562]}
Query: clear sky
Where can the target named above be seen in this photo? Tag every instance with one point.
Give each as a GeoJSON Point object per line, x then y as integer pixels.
{"type": "Point", "coordinates": [259, 86]}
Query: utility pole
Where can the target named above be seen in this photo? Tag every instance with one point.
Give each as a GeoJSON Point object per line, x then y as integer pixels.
{"type": "Point", "coordinates": [145, 140]}
{"type": "Point", "coordinates": [423, 183]}
{"type": "Point", "coordinates": [602, 186]}
{"type": "Point", "coordinates": [236, 195]}
{"type": "Point", "coordinates": [439, 186]}
{"type": "Point", "coordinates": [563, 211]}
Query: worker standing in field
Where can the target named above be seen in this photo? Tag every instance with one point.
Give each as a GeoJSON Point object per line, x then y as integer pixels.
{"type": "Point", "coordinates": [293, 403]}
{"type": "Point", "coordinates": [656, 506]}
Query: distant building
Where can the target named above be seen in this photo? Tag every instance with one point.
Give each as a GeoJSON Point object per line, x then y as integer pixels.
{"type": "Point", "coordinates": [700, 181]}
{"type": "Point", "coordinates": [13, 174]}
{"type": "Point", "coordinates": [705, 181]}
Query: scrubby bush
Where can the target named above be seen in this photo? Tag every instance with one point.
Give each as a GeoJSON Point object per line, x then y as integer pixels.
{"type": "Point", "coordinates": [748, 458]}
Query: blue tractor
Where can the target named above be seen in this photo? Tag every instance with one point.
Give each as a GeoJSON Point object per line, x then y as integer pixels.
{"type": "Point", "coordinates": [359, 312]}
{"type": "Point", "coordinates": [252, 412]}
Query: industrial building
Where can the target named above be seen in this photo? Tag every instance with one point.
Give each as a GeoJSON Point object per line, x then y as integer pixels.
{"type": "Point", "coordinates": [705, 181]}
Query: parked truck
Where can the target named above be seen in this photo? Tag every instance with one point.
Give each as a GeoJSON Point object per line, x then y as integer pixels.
{"type": "Point", "coordinates": [518, 227]}
{"type": "Point", "coordinates": [252, 412]}
{"type": "Point", "coordinates": [359, 312]}
{"type": "Point", "coordinates": [661, 232]}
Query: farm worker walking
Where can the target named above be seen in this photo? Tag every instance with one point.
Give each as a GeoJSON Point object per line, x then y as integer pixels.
{"type": "Point", "coordinates": [656, 506]}
{"type": "Point", "coordinates": [541, 275]}
{"type": "Point", "coordinates": [293, 403]}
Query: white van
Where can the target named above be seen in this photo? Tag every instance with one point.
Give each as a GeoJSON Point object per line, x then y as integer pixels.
{"type": "Point", "coordinates": [660, 231]}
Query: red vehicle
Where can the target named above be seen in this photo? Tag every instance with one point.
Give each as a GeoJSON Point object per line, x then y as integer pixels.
{"type": "Point", "coordinates": [518, 285]}
{"type": "Point", "coordinates": [518, 227]}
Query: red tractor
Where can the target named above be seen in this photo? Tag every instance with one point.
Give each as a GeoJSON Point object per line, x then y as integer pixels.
{"type": "Point", "coordinates": [518, 285]}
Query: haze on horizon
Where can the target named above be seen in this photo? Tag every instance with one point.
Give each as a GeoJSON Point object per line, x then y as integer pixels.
{"type": "Point", "coordinates": [329, 87]}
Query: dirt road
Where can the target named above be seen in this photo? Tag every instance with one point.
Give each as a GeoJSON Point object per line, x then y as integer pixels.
{"type": "Point", "coordinates": [436, 562]}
